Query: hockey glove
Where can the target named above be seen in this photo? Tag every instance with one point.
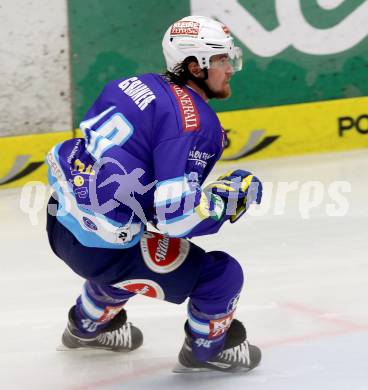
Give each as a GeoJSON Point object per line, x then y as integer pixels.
{"type": "Point", "coordinates": [239, 189]}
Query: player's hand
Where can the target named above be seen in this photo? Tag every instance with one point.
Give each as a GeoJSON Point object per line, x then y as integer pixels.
{"type": "Point", "coordinates": [239, 189]}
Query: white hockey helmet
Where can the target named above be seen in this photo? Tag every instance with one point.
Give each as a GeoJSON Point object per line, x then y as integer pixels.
{"type": "Point", "coordinates": [201, 37]}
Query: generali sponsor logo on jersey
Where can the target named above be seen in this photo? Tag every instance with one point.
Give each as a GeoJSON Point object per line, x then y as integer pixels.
{"type": "Point", "coordinates": [145, 287]}
{"type": "Point", "coordinates": [185, 27]}
{"type": "Point", "coordinates": [163, 254]}
{"type": "Point", "coordinates": [188, 110]}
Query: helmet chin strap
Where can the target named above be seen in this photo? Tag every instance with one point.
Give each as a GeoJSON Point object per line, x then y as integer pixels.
{"type": "Point", "coordinates": [201, 83]}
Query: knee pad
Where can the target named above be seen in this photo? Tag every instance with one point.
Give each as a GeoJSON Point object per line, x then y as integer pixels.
{"type": "Point", "coordinates": [232, 273]}
{"type": "Point", "coordinates": [219, 286]}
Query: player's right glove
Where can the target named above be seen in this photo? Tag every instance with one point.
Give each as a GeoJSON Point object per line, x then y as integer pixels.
{"type": "Point", "coordinates": [239, 189]}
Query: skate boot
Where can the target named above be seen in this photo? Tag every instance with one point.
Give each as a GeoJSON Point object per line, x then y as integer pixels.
{"type": "Point", "coordinates": [237, 356]}
{"type": "Point", "coordinates": [119, 335]}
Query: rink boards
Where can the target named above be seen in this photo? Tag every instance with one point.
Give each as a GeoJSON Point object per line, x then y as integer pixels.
{"type": "Point", "coordinates": [335, 125]}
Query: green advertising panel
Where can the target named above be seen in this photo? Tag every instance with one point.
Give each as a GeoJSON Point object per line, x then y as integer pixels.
{"type": "Point", "coordinates": [112, 39]}
{"type": "Point", "coordinates": [295, 51]}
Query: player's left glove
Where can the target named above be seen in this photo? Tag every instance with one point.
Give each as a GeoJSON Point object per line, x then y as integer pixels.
{"type": "Point", "coordinates": [239, 189]}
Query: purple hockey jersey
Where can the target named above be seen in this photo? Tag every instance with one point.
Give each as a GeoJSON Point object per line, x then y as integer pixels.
{"type": "Point", "coordinates": [148, 146]}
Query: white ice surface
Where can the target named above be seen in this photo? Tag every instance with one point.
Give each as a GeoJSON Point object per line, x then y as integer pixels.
{"type": "Point", "coordinates": [305, 301]}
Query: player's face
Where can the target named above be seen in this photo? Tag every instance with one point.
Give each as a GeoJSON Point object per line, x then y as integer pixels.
{"type": "Point", "coordinates": [219, 75]}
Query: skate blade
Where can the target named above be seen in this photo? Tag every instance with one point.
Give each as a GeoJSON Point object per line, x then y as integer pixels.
{"type": "Point", "coordinates": [180, 369]}
{"type": "Point", "coordinates": [63, 348]}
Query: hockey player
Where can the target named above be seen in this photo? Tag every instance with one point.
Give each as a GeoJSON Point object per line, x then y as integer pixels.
{"type": "Point", "coordinates": [149, 143]}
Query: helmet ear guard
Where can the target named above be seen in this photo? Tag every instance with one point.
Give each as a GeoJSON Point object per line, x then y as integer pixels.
{"type": "Point", "coordinates": [202, 38]}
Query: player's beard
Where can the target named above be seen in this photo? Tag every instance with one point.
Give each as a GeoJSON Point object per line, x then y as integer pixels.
{"type": "Point", "coordinates": [224, 93]}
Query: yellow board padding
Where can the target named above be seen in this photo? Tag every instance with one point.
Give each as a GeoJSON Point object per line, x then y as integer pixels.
{"type": "Point", "coordinates": [335, 125]}
{"type": "Point", "coordinates": [296, 129]}
{"type": "Point", "coordinates": [23, 157]}
{"type": "Point", "coordinates": [78, 133]}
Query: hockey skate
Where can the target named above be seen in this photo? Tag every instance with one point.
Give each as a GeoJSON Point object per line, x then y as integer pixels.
{"type": "Point", "coordinates": [119, 335]}
{"type": "Point", "coordinates": [237, 356]}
